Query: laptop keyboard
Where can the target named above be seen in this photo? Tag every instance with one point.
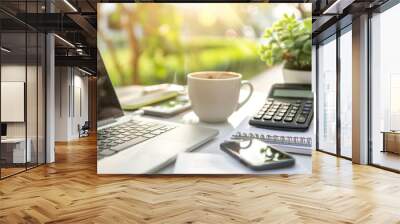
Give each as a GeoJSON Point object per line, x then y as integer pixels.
{"type": "Point", "coordinates": [114, 139]}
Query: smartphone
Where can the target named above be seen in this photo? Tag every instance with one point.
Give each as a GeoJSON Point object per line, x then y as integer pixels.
{"type": "Point", "coordinates": [168, 108]}
{"type": "Point", "coordinates": [257, 155]}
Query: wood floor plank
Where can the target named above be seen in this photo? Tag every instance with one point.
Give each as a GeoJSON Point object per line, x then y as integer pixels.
{"type": "Point", "coordinates": [70, 191]}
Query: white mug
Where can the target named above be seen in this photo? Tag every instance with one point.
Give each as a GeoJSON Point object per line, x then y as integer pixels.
{"type": "Point", "coordinates": [214, 95]}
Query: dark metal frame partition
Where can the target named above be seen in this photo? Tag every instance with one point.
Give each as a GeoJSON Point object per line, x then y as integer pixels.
{"type": "Point", "coordinates": [339, 32]}
{"type": "Point", "coordinates": [44, 76]}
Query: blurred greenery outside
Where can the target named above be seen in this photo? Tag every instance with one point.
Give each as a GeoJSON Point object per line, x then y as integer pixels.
{"type": "Point", "coordinates": [144, 44]}
{"type": "Point", "coordinates": [200, 54]}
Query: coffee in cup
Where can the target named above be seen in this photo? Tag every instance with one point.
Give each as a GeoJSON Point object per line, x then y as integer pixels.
{"type": "Point", "coordinates": [214, 95]}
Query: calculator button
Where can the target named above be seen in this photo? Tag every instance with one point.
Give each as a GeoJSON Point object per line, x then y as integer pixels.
{"type": "Point", "coordinates": [270, 113]}
{"type": "Point", "coordinates": [277, 118]}
{"type": "Point", "coordinates": [296, 104]}
{"type": "Point", "coordinates": [293, 111]}
{"type": "Point", "coordinates": [267, 117]}
{"type": "Point", "coordinates": [289, 119]}
{"type": "Point", "coordinates": [258, 117]}
{"type": "Point", "coordinates": [295, 108]}
{"type": "Point", "coordinates": [301, 119]}
{"type": "Point", "coordinates": [291, 114]}
{"type": "Point", "coordinates": [281, 114]}
{"type": "Point", "coordinates": [307, 109]}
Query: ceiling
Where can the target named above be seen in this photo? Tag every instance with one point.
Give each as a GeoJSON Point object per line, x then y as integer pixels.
{"type": "Point", "coordinates": [328, 15]}
{"type": "Point", "coordinates": [74, 22]}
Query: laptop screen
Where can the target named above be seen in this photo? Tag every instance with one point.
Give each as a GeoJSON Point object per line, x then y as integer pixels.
{"type": "Point", "coordinates": [108, 106]}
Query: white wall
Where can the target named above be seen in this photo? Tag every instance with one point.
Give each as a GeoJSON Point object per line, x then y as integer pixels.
{"type": "Point", "coordinates": [62, 81]}
{"type": "Point", "coordinates": [13, 73]}
{"type": "Point", "coordinates": [71, 94]}
{"type": "Point", "coordinates": [33, 127]}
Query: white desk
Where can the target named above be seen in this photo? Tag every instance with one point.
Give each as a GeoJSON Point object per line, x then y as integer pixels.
{"type": "Point", "coordinates": [18, 150]}
{"type": "Point", "coordinates": [303, 163]}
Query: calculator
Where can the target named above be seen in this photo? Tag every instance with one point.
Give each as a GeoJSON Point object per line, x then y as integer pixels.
{"type": "Point", "coordinates": [288, 107]}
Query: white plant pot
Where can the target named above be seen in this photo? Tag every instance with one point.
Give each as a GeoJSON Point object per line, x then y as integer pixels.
{"type": "Point", "coordinates": [296, 76]}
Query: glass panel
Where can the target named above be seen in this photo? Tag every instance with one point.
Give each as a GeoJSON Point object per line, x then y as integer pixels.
{"type": "Point", "coordinates": [346, 94]}
{"type": "Point", "coordinates": [41, 99]}
{"type": "Point", "coordinates": [23, 82]}
{"type": "Point", "coordinates": [32, 88]}
{"type": "Point", "coordinates": [327, 96]}
{"type": "Point", "coordinates": [31, 98]}
{"type": "Point", "coordinates": [13, 86]}
{"type": "Point", "coordinates": [385, 84]}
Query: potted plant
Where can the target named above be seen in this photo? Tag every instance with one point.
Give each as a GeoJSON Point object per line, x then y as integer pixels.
{"type": "Point", "coordinates": [288, 41]}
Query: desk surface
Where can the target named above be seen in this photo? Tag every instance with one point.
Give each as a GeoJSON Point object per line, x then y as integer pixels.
{"type": "Point", "coordinates": [391, 132]}
{"type": "Point", "coordinates": [13, 140]}
{"type": "Point", "coordinates": [303, 163]}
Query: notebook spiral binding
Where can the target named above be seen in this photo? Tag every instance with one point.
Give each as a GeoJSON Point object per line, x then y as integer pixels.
{"type": "Point", "coordinates": [275, 139]}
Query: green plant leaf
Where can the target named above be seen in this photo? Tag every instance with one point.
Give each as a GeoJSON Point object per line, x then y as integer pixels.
{"type": "Point", "coordinates": [288, 41]}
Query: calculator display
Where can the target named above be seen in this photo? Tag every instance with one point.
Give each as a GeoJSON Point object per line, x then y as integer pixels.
{"type": "Point", "coordinates": [297, 93]}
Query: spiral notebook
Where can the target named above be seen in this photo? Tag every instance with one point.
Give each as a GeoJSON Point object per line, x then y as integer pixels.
{"type": "Point", "coordinates": [288, 141]}
{"type": "Point", "coordinates": [276, 139]}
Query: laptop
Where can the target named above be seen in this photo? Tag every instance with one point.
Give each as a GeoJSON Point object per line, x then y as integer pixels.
{"type": "Point", "coordinates": [129, 144]}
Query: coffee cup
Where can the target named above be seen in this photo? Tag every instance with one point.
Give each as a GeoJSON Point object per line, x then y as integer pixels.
{"type": "Point", "coordinates": [214, 95]}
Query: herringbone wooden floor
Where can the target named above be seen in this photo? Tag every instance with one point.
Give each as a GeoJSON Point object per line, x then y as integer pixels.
{"type": "Point", "coordinates": [69, 191]}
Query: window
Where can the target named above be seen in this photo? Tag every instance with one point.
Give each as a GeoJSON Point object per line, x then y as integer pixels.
{"type": "Point", "coordinates": [327, 96]}
{"type": "Point", "coordinates": [385, 89]}
{"type": "Point", "coordinates": [346, 93]}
